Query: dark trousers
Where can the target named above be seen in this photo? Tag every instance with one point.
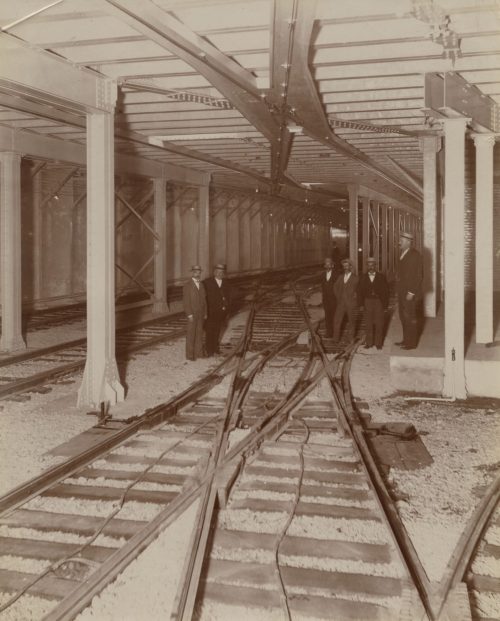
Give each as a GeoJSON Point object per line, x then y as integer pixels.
{"type": "Point", "coordinates": [374, 322]}
{"type": "Point", "coordinates": [408, 314]}
{"type": "Point", "coordinates": [329, 306]}
{"type": "Point", "coordinates": [194, 338]}
{"type": "Point", "coordinates": [342, 310]}
{"type": "Point", "coordinates": [213, 328]}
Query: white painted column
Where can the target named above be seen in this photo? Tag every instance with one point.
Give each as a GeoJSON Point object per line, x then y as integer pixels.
{"type": "Point", "coordinates": [10, 245]}
{"type": "Point", "coordinates": [37, 237]}
{"type": "Point", "coordinates": [454, 258]}
{"type": "Point", "coordinates": [264, 228]}
{"type": "Point", "coordinates": [160, 245]}
{"type": "Point", "coordinates": [353, 225]}
{"type": "Point", "coordinates": [366, 232]}
{"type": "Point", "coordinates": [383, 237]}
{"type": "Point", "coordinates": [204, 224]}
{"type": "Point", "coordinates": [430, 145]}
{"type": "Point", "coordinates": [101, 382]}
{"type": "Point", "coordinates": [390, 242]}
{"type": "Point", "coordinates": [177, 220]}
{"type": "Point", "coordinates": [484, 237]}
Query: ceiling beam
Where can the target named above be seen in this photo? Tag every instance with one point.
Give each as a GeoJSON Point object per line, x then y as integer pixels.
{"type": "Point", "coordinates": [417, 184]}
{"type": "Point", "coordinates": [304, 101]}
{"type": "Point", "coordinates": [234, 82]}
{"type": "Point", "coordinates": [46, 77]}
{"type": "Point", "coordinates": [47, 148]}
{"type": "Point", "coordinates": [282, 35]}
{"type": "Point", "coordinates": [449, 94]}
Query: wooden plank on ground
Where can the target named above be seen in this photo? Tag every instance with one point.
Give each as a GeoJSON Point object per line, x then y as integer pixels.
{"type": "Point", "coordinates": [130, 475]}
{"type": "Point", "coordinates": [327, 491]}
{"type": "Point", "coordinates": [51, 550]}
{"type": "Point", "coordinates": [340, 582]}
{"type": "Point", "coordinates": [331, 549]}
{"type": "Point", "coordinates": [231, 572]}
{"type": "Point", "coordinates": [244, 540]}
{"type": "Point", "coordinates": [336, 608]}
{"type": "Point", "coordinates": [84, 525]}
{"type": "Point", "coordinates": [48, 587]}
{"type": "Point", "coordinates": [313, 509]}
{"type": "Point", "coordinates": [94, 492]}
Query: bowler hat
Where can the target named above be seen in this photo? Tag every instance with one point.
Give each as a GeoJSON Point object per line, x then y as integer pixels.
{"type": "Point", "coordinates": [195, 268]}
{"type": "Point", "coordinates": [220, 266]}
{"type": "Point", "coordinates": [406, 234]}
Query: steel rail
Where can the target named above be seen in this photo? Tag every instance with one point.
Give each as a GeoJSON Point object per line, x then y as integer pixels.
{"type": "Point", "coordinates": [186, 596]}
{"type": "Point", "coordinates": [352, 424]}
{"type": "Point", "coordinates": [83, 594]}
{"type": "Point", "coordinates": [403, 542]}
{"type": "Point", "coordinates": [456, 569]}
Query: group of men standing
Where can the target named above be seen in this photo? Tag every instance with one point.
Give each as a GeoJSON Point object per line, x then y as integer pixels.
{"type": "Point", "coordinates": [343, 293]}
{"type": "Point", "coordinates": [206, 305]}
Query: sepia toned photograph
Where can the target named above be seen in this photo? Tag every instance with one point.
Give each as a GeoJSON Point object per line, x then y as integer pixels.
{"type": "Point", "coordinates": [249, 310]}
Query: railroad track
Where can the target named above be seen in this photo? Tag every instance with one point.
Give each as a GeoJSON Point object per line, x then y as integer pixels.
{"type": "Point", "coordinates": [300, 531]}
{"type": "Point", "coordinates": [470, 587]}
{"type": "Point", "coordinates": [33, 370]}
{"type": "Point", "coordinates": [71, 530]}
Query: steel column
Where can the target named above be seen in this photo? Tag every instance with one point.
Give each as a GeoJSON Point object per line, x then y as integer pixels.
{"type": "Point", "coordinates": [10, 246]}
{"type": "Point", "coordinates": [101, 382]}
{"type": "Point", "coordinates": [204, 230]}
{"type": "Point", "coordinates": [366, 231]}
{"type": "Point", "coordinates": [353, 225]}
{"type": "Point", "coordinates": [454, 256]}
{"type": "Point", "coordinates": [383, 236]}
{"type": "Point", "coordinates": [484, 237]}
{"type": "Point", "coordinates": [160, 304]}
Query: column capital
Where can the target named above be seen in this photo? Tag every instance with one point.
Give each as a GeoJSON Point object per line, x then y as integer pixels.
{"type": "Point", "coordinates": [484, 140]}
{"type": "Point", "coordinates": [106, 94]}
{"type": "Point", "coordinates": [456, 122]}
{"type": "Point", "coordinates": [429, 143]}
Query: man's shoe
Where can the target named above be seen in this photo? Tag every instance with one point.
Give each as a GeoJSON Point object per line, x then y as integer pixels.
{"type": "Point", "coordinates": [400, 343]}
{"type": "Point", "coordinates": [367, 346]}
{"type": "Point", "coordinates": [406, 347]}
{"type": "Point", "coordinates": [379, 346]}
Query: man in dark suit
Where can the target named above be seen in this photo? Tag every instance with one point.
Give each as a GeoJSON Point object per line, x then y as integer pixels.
{"type": "Point", "coordinates": [373, 295]}
{"type": "Point", "coordinates": [345, 296]}
{"type": "Point", "coordinates": [218, 300]}
{"type": "Point", "coordinates": [409, 289]}
{"type": "Point", "coordinates": [195, 307]}
{"type": "Point", "coordinates": [328, 296]}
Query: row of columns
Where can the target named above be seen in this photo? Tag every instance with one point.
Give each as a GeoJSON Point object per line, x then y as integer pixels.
{"type": "Point", "coordinates": [380, 226]}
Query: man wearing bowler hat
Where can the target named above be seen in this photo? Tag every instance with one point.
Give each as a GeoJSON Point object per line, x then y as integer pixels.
{"type": "Point", "coordinates": [218, 300]}
{"type": "Point", "coordinates": [345, 290]}
{"type": "Point", "coordinates": [195, 307]}
{"type": "Point", "coordinates": [409, 289]}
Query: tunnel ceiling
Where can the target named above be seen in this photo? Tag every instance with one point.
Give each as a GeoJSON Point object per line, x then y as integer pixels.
{"type": "Point", "coordinates": [276, 94]}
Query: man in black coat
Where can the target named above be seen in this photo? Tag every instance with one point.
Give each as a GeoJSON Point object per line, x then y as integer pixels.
{"type": "Point", "coordinates": [328, 296]}
{"type": "Point", "coordinates": [195, 308]}
{"type": "Point", "coordinates": [373, 295]}
{"type": "Point", "coordinates": [409, 290]}
{"type": "Point", "coordinates": [218, 300]}
{"type": "Point", "coordinates": [345, 290]}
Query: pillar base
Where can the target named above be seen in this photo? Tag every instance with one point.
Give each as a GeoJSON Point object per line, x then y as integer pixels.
{"type": "Point", "coordinates": [13, 343]}
{"type": "Point", "coordinates": [100, 387]}
{"type": "Point", "coordinates": [160, 307]}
